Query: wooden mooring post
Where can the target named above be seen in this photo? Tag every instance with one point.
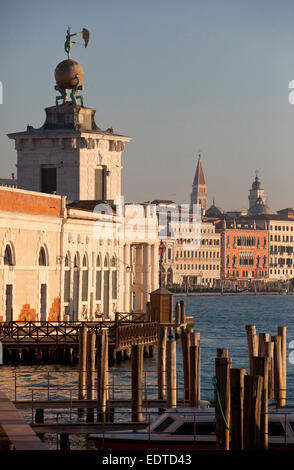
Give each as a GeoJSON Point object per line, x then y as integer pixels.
{"type": "Point", "coordinates": [186, 343]}
{"type": "Point", "coordinates": [278, 370]}
{"type": "Point", "coordinates": [262, 339]}
{"type": "Point", "coordinates": [194, 382]}
{"type": "Point", "coordinates": [237, 408]}
{"type": "Point", "coordinates": [177, 319]}
{"type": "Point", "coordinates": [222, 401]}
{"type": "Point", "coordinates": [171, 373]}
{"type": "Point", "coordinates": [222, 352]}
{"type": "Point", "coordinates": [252, 341]}
{"type": "Point", "coordinates": [137, 382]}
{"type": "Point", "coordinates": [83, 331]}
{"type": "Point", "coordinates": [268, 352]}
{"type": "Point", "coordinates": [195, 338]}
{"type": "Point", "coordinates": [253, 387]}
{"type": "Point", "coordinates": [282, 332]}
{"type": "Point", "coordinates": [102, 374]}
{"type": "Point", "coordinates": [91, 371]}
{"type": "Point", "coordinates": [90, 367]}
{"type": "Point", "coordinates": [183, 311]}
{"type": "Point", "coordinates": [260, 367]}
{"type": "Point", "coordinates": [161, 361]}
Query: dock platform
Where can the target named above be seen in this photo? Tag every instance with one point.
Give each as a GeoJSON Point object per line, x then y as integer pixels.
{"type": "Point", "coordinates": [15, 433]}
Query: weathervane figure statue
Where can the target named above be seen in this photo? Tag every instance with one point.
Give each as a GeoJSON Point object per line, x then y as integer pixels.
{"type": "Point", "coordinates": [69, 74]}
{"type": "Point", "coordinates": [68, 40]}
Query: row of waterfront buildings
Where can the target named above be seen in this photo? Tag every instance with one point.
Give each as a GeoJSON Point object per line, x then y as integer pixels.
{"type": "Point", "coordinates": [236, 248]}
{"type": "Point", "coordinates": [70, 248]}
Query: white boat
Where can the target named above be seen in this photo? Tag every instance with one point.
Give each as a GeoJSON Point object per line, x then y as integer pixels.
{"type": "Point", "coordinates": [191, 428]}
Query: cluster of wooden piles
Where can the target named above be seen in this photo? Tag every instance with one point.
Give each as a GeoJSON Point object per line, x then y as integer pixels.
{"type": "Point", "coordinates": [241, 399]}
{"type": "Point", "coordinates": [93, 363]}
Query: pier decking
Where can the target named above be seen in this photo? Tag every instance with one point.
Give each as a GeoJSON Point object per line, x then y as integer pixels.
{"type": "Point", "coordinates": [15, 433]}
{"type": "Point", "coordinates": [61, 337]}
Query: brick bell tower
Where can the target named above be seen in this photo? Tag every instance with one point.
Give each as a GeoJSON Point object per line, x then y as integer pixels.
{"type": "Point", "coordinates": [199, 191]}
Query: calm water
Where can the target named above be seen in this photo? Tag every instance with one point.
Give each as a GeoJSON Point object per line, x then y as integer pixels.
{"type": "Point", "coordinates": [221, 322]}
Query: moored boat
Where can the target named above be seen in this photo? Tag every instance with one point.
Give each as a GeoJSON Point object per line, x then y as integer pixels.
{"type": "Point", "coordinates": [191, 428]}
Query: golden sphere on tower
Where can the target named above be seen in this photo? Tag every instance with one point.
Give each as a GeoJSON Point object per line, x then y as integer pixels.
{"type": "Point", "coordinates": [66, 74]}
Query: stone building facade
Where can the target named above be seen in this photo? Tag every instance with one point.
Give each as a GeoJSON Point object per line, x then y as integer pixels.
{"type": "Point", "coordinates": [62, 258]}
{"type": "Point", "coordinates": [99, 255]}
{"type": "Point", "coordinates": [201, 266]}
{"type": "Point", "coordinates": [281, 245]}
{"type": "Point", "coordinates": [30, 226]}
{"type": "Point", "coordinates": [192, 258]}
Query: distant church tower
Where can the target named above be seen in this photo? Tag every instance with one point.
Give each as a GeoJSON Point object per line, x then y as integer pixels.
{"type": "Point", "coordinates": [199, 194]}
{"type": "Point", "coordinates": [256, 196]}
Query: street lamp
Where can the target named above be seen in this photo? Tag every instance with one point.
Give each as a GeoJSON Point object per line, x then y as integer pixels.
{"type": "Point", "coordinates": [161, 251]}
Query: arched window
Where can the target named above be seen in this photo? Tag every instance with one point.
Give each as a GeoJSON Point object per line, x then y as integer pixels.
{"type": "Point", "coordinates": [98, 278]}
{"type": "Point", "coordinates": [76, 287]}
{"type": "Point", "coordinates": [8, 258]}
{"type": "Point", "coordinates": [76, 261]}
{"type": "Point", "coordinates": [42, 257]}
{"type": "Point", "coordinates": [114, 278]}
{"type": "Point", "coordinates": [85, 279]}
{"type": "Point", "coordinates": [66, 279]}
{"type": "Point", "coordinates": [106, 286]}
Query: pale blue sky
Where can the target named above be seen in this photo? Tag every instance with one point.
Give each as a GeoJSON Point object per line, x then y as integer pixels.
{"type": "Point", "coordinates": [177, 77]}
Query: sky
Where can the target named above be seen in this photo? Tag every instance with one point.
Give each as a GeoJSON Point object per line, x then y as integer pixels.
{"type": "Point", "coordinates": [177, 77]}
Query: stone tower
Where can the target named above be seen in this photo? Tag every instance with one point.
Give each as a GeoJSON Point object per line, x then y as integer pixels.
{"type": "Point", "coordinates": [70, 155]}
{"type": "Point", "coordinates": [256, 195]}
{"type": "Point", "coordinates": [199, 194]}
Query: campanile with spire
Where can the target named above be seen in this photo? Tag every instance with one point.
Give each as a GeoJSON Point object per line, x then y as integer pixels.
{"type": "Point", "coordinates": [199, 193]}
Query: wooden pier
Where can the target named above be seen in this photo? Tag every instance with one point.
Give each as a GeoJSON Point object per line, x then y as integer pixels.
{"type": "Point", "coordinates": [240, 398]}
{"type": "Point", "coordinates": [15, 433]}
{"type": "Point", "coordinates": [32, 341]}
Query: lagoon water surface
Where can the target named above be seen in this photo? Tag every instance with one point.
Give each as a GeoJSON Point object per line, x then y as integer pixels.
{"type": "Point", "coordinates": [221, 321]}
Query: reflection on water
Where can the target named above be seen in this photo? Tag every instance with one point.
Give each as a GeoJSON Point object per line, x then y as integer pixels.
{"type": "Point", "coordinates": [221, 322]}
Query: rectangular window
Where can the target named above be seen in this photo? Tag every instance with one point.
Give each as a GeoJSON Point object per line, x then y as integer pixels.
{"type": "Point", "coordinates": [66, 285]}
{"type": "Point", "coordinates": [114, 284]}
{"type": "Point", "coordinates": [98, 285]}
{"type": "Point", "coordinates": [85, 286]}
{"type": "Point", "coordinates": [100, 184]}
{"type": "Point", "coordinates": [43, 302]}
{"type": "Point", "coordinates": [48, 180]}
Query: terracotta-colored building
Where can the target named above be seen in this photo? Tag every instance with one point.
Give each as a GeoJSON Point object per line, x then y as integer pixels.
{"type": "Point", "coordinates": [244, 250]}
